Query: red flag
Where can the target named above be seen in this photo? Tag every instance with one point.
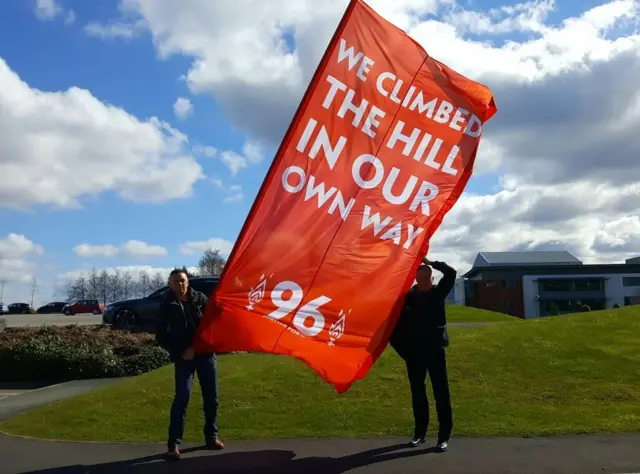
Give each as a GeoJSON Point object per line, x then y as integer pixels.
{"type": "Point", "coordinates": [379, 150]}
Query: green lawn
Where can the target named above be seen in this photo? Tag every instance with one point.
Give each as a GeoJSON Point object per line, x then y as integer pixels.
{"type": "Point", "coordinates": [464, 314]}
{"type": "Point", "coordinates": [562, 375]}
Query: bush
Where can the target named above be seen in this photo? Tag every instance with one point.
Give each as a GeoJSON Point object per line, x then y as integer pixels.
{"type": "Point", "coordinates": [63, 353]}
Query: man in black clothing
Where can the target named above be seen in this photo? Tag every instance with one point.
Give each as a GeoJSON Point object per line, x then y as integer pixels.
{"type": "Point", "coordinates": [420, 338]}
{"type": "Point", "coordinates": [177, 322]}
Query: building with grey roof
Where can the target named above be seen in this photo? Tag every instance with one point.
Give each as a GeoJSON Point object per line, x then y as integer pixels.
{"type": "Point", "coordinates": [542, 283]}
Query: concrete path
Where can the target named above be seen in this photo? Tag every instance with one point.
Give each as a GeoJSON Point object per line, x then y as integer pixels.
{"type": "Point", "coordinates": [580, 455]}
{"type": "Point", "coordinates": [16, 398]}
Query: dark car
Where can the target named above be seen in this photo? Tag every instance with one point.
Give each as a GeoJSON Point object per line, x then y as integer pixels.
{"type": "Point", "coordinates": [19, 308]}
{"type": "Point", "coordinates": [51, 308]}
{"type": "Point", "coordinates": [83, 306]}
{"type": "Point", "coordinates": [142, 312]}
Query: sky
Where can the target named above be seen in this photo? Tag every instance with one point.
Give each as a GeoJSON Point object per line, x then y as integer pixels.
{"type": "Point", "coordinates": [134, 134]}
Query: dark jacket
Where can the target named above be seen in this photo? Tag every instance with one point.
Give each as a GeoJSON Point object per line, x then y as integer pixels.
{"type": "Point", "coordinates": [175, 329]}
{"type": "Point", "coordinates": [422, 324]}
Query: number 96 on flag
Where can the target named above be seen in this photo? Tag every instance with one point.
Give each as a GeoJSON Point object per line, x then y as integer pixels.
{"type": "Point", "coordinates": [308, 319]}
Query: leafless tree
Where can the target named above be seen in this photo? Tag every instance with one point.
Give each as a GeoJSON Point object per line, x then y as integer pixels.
{"type": "Point", "coordinates": [115, 286]}
{"type": "Point", "coordinates": [211, 263]}
{"type": "Point", "coordinates": [78, 289]}
{"type": "Point", "coordinates": [144, 283]}
{"type": "Point", "coordinates": [34, 287]}
{"type": "Point", "coordinates": [94, 284]}
{"type": "Point", "coordinates": [103, 280]}
{"type": "Point", "coordinates": [158, 281]}
{"type": "Point", "coordinates": [128, 286]}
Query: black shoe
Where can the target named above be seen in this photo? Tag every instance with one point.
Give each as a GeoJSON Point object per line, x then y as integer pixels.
{"type": "Point", "coordinates": [442, 445]}
{"type": "Point", "coordinates": [417, 441]}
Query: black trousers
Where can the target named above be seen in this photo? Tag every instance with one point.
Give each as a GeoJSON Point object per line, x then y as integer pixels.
{"type": "Point", "coordinates": [434, 362]}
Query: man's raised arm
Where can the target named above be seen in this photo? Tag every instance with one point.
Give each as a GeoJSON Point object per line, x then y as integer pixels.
{"type": "Point", "coordinates": [448, 280]}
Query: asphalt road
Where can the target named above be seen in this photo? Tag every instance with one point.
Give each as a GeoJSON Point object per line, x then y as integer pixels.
{"type": "Point", "coordinates": [579, 454]}
{"type": "Point", "coordinates": [17, 320]}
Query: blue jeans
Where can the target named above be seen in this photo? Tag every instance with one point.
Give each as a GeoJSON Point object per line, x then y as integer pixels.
{"type": "Point", "coordinates": [207, 369]}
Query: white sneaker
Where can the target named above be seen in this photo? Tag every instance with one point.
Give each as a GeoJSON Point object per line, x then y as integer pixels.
{"type": "Point", "coordinates": [415, 441]}
{"type": "Point", "coordinates": [442, 446]}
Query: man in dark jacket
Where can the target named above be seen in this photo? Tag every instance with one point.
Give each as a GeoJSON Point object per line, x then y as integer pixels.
{"type": "Point", "coordinates": [178, 319]}
{"type": "Point", "coordinates": [420, 338]}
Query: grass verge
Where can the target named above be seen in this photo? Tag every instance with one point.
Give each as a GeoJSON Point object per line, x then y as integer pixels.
{"type": "Point", "coordinates": [563, 375]}
{"type": "Point", "coordinates": [464, 314]}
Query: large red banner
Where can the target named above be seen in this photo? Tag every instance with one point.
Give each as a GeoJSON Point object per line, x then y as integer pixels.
{"type": "Point", "coordinates": [380, 149]}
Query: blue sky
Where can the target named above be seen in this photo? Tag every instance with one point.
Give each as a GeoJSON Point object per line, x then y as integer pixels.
{"type": "Point", "coordinates": [56, 53]}
{"type": "Point", "coordinates": [53, 56]}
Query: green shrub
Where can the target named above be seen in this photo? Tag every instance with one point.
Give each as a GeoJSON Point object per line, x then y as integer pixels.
{"type": "Point", "coordinates": [62, 353]}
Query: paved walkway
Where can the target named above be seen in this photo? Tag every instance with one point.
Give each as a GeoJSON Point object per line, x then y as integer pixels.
{"type": "Point", "coordinates": [16, 398]}
{"type": "Point", "coordinates": [580, 455]}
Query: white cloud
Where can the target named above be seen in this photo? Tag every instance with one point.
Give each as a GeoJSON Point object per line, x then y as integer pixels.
{"type": "Point", "coordinates": [48, 10]}
{"type": "Point", "coordinates": [208, 151]}
{"type": "Point", "coordinates": [195, 248]}
{"type": "Point", "coordinates": [58, 147]}
{"type": "Point", "coordinates": [252, 153]}
{"type": "Point", "coordinates": [233, 161]}
{"type": "Point", "coordinates": [93, 251]}
{"type": "Point", "coordinates": [183, 108]}
{"type": "Point", "coordinates": [525, 17]}
{"type": "Point", "coordinates": [139, 249]}
{"type": "Point", "coordinates": [16, 246]}
{"type": "Point", "coordinates": [564, 139]}
{"type": "Point", "coordinates": [17, 267]}
{"type": "Point", "coordinates": [235, 194]}
{"type": "Point", "coordinates": [120, 29]}
{"type": "Point", "coordinates": [131, 249]}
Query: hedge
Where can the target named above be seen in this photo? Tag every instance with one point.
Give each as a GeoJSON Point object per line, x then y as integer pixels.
{"type": "Point", "coordinates": [63, 353]}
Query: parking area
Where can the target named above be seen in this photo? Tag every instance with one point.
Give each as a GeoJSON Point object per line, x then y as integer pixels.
{"type": "Point", "coordinates": [21, 320]}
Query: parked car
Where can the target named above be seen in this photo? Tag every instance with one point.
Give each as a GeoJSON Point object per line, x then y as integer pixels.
{"type": "Point", "coordinates": [51, 308]}
{"type": "Point", "coordinates": [19, 308]}
{"type": "Point", "coordinates": [142, 312]}
{"type": "Point", "coordinates": [83, 306]}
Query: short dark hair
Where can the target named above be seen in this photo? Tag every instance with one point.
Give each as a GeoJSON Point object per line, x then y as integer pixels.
{"type": "Point", "coordinates": [177, 271]}
{"type": "Point", "coordinates": [424, 268]}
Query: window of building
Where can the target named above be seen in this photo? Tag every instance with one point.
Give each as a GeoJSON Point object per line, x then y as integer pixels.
{"type": "Point", "coordinates": [593, 304]}
{"type": "Point", "coordinates": [556, 285]}
{"type": "Point", "coordinates": [589, 284]}
{"type": "Point", "coordinates": [630, 281]}
{"type": "Point", "coordinates": [555, 307]}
